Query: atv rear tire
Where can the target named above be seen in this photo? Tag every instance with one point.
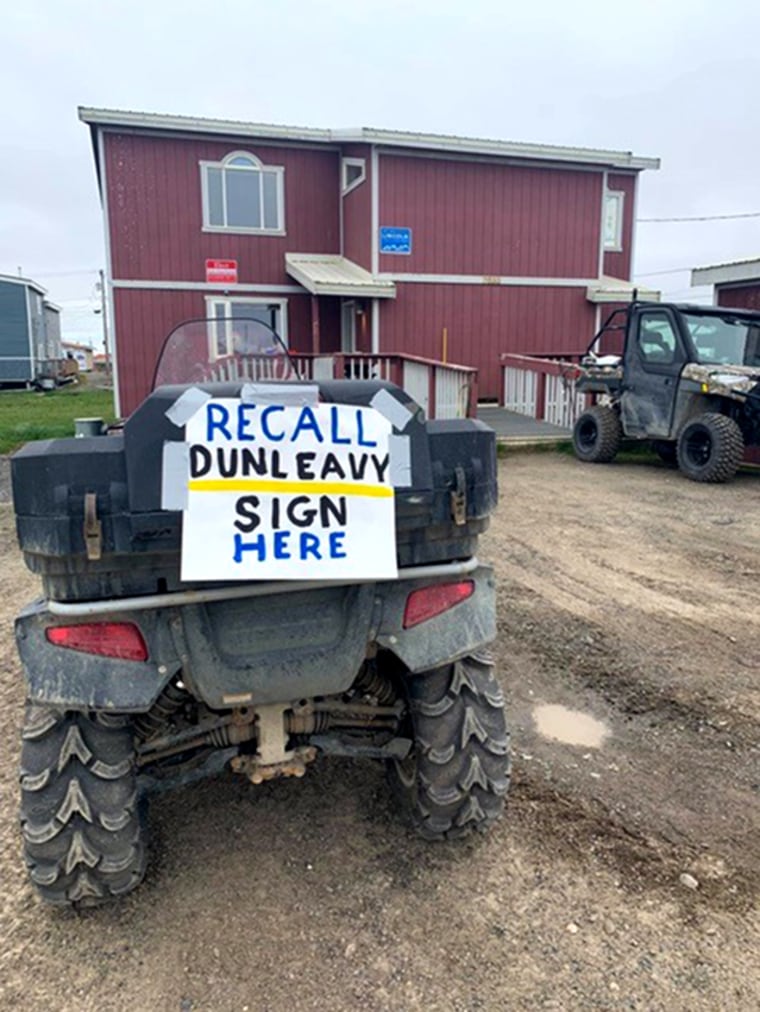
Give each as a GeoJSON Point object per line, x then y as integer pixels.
{"type": "Point", "coordinates": [83, 838]}
{"type": "Point", "coordinates": [456, 777]}
{"type": "Point", "coordinates": [710, 448]}
{"type": "Point", "coordinates": [597, 435]}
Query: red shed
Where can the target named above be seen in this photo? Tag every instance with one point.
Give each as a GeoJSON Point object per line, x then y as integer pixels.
{"type": "Point", "coordinates": [358, 240]}
{"type": "Point", "coordinates": [736, 284]}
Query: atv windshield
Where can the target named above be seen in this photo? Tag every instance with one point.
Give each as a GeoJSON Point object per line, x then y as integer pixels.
{"type": "Point", "coordinates": [223, 349]}
{"type": "Point", "coordinates": [725, 340]}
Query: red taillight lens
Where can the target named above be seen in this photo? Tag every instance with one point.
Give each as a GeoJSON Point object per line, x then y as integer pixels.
{"type": "Point", "coordinates": [427, 602]}
{"type": "Point", "coordinates": [106, 639]}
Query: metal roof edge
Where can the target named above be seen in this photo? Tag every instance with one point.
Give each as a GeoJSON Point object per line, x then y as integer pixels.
{"type": "Point", "coordinates": [95, 117]}
{"type": "Point", "coordinates": [19, 280]}
{"type": "Point", "coordinates": [196, 124]}
{"type": "Point", "coordinates": [498, 148]}
{"type": "Point", "coordinates": [362, 283]}
{"type": "Point", "coordinates": [608, 289]}
{"type": "Point", "coordinates": [717, 274]}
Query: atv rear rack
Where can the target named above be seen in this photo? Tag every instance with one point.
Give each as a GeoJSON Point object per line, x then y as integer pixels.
{"type": "Point", "coordinates": [83, 609]}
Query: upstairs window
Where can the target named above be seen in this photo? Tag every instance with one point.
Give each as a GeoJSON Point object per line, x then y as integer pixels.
{"type": "Point", "coordinates": [613, 220]}
{"type": "Point", "coordinates": [353, 174]}
{"type": "Point", "coordinates": [240, 194]}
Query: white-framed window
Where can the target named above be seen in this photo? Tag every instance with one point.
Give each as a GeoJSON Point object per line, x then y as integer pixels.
{"type": "Point", "coordinates": [614, 201]}
{"type": "Point", "coordinates": [241, 194]}
{"type": "Point", "coordinates": [353, 172]}
{"type": "Point", "coordinates": [222, 314]}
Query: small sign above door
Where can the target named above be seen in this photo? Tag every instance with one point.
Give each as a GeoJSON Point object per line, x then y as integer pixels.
{"type": "Point", "coordinates": [221, 272]}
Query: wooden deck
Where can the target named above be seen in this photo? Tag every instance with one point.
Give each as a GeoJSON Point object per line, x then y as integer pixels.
{"type": "Point", "coordinates": [511, 427]}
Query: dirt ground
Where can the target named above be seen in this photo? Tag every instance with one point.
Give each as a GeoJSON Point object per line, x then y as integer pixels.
{"type": "Point", "coordinates": [626, 594]}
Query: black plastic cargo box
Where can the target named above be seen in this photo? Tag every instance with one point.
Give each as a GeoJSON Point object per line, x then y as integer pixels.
{"type": "Point", "coordinates": [107, 490]}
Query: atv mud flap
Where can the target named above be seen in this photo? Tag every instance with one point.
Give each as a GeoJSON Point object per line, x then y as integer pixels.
{"type": "Point", "coordinates": [75, 680]}
{"type": "Point", "coordinates": [468, 627]}
{"type": "Point", "coordinates": [249, 650]}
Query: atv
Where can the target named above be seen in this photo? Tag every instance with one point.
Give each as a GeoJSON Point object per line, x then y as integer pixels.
{"type": "Point", "coordinates": [687, 380]}
{"type": "Point", "coordinates": [151, 662]}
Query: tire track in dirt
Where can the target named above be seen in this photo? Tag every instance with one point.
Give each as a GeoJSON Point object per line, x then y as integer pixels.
{"type": "Point", "coordinates": [588, 586]}
{"type": "Point", "coordinates": [625, 626]}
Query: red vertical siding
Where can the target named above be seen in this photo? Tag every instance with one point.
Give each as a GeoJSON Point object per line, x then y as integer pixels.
{"type": "Point", "coordinates": [740, 297]}
{"type": "Point", "coordinates": [618, 265]}
{"type": "Point", "coordinates": [485, 320]}
{"type": "Point", "coordinates": [143, 319]}
{"type": "Point", "coordinates": [156, 219]}
{"type": "Point", "coordinates": [357, 211]}
{"type": "Point", "coordinates": [486, 218]}
{"type": "Point", "coordinates": [613, 342]}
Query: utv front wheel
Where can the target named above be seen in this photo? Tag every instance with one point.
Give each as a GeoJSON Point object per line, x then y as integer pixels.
{"type": "Point", "coordinates": [710, 448]}
{"type": "Point", "coordinates": [83, 838]}
{"type": "Point", "coordinates": [456, 776]}
{"type": "Point", "coordinates": [597, 435]}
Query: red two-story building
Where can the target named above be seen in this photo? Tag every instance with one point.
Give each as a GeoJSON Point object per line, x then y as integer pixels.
{"type": "Point", "coordinates": [357, 240]}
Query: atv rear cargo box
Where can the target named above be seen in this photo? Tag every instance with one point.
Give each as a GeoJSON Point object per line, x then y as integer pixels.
{"type": "Point", "coordinates": [89, 517]}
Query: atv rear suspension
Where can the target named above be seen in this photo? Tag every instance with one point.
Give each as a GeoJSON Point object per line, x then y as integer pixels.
{"type": "Point", "coordinates": [273, 739]}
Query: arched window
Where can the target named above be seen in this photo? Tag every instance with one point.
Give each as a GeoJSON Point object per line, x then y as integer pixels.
{"type": "Point", "coordinates": [240, 194]}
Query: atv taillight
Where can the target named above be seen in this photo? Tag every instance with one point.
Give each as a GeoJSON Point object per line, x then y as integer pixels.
{"type": "Point", "coordinates": [106, 639]}
{"type": "Point", "coordinates": [427, 602]}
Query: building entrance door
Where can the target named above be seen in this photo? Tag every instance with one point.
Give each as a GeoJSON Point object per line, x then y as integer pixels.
{"type": "Point", "coordinates": [348, 326]}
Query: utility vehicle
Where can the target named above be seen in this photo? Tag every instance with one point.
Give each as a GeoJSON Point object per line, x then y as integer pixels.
{"type": "Point", "coordinates": [687, 379]}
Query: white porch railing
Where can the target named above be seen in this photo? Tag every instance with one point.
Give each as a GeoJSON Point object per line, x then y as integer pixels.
{"type": "Point", "coordinates": [416, 382]}
{"type": "Point", "coordinates": [441, 389]}
{"type": "Point", "coordinates": [542, 388]}
{"type": "Point", "coordinates": [520, 390]}
{"type": "Point", "coordinates": [562, 405]}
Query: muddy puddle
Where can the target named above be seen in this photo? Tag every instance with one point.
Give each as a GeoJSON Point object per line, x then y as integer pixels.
{"type": "Point", "coordinates": [571, 727]}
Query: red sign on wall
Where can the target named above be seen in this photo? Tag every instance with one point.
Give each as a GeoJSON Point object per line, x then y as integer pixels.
{"type": "Point", "coordinates": [221, 272]}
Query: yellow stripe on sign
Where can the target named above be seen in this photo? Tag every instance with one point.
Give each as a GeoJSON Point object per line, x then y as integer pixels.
{"type": "Point", "coordinates": [305, 487]}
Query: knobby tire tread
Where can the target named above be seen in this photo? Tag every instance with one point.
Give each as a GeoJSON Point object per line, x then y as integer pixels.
{"type": "Point", "coordinates": [81, 827]}
{"type": "Point", "coordinates": [458, 778]}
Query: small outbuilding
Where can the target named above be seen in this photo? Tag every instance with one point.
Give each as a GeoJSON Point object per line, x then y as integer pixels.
{"type": "Point", "coordinates": [30, 332]}
{"type": "Point", "coordinates": [81, 353]}
{"type": "Point", "coordinates": [736, 284]}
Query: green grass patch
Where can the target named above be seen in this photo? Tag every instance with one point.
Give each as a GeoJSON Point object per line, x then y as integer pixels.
{"type": "Point", "coordinates": [505, 449]}
{"type": "Point", "coordinates": [27, 415]}
{"type": "Point", "coordinates": [630, 452]}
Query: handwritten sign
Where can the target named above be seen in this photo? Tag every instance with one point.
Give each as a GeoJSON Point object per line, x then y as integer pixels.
{"type": "Point", "coordinates": [288, 492]}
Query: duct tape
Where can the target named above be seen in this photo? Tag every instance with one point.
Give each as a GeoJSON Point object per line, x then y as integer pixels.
{"type": "Point", "coordinates": [186, 405]}
{"type": "Point", "coordinates": [397, 414]}
{"type": "Point", "coordinates": [400, 472]}
{"type": "Point", "coordinates": [288, 394]}
{"type": "Point", "coordinates": [176, 467]}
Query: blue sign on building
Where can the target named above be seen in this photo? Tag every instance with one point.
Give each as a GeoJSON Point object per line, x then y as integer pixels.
{"type": "Point", "coordinates": [396, 240]}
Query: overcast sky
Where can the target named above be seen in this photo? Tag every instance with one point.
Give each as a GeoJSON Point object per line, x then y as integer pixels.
{"type": "Point", "coordinates": [669, 78]}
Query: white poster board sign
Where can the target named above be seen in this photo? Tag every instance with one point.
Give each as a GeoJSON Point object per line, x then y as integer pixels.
{"type": "Point", "coordinates": [286, 492]}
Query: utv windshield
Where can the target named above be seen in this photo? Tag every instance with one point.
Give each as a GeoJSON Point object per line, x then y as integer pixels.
{"type": "Point", "coordinates": [223, 349]}
{"type": "Point", "coordinates": [725, 340]}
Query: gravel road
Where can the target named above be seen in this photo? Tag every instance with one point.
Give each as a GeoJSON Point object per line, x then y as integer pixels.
{"type": "Point", "coordinates": [625, 875]}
